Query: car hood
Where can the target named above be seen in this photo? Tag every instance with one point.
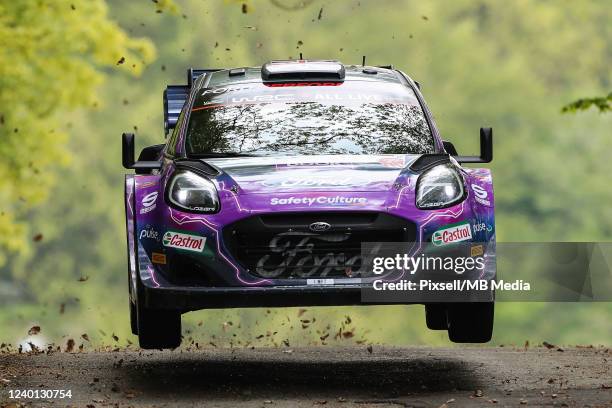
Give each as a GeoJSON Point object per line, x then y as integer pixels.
{"type": "Point", "coordinates": [331, 173]}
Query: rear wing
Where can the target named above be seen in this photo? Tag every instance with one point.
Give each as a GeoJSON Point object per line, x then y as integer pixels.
{"type": "Point", "coordinates": [175, 97]}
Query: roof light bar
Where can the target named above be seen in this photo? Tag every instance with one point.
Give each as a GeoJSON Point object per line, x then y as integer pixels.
{"type": "Point", "coordinates": [302, 69]}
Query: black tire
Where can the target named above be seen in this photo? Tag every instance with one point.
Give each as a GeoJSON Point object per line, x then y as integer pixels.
{"type": "Point", "coordinates": [470, 322]}
{"type": "Point", "coordinates": [158, 329]}
{"type": "Point", "coordinates": [435, 316]}
{"type": "Point", "coordinates": [133, 318]}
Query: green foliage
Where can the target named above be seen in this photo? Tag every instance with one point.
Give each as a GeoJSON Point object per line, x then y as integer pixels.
{"type": "Point", "coordinates": [486, 63]}
{"type": "Point", "coordinates": [50, 63]}
{"type": "Point", "coordinates": [602, 103]}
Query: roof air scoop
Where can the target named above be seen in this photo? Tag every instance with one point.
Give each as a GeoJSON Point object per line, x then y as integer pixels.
{"type": "Point", "coordinates": [302, 70]}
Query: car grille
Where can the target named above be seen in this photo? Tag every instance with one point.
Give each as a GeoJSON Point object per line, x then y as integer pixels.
{"type": "Point", "coordinates": [281, 246]}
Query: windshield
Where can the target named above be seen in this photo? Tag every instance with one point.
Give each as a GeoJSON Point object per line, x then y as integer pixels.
{"type": "Point", "coordinates": [352, 117]}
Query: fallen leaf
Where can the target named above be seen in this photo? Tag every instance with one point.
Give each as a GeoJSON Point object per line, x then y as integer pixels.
{"type": "Point", "coordinates": [320, 14]}
{"type": "Point", "coordinates": [478, 393]}
{"type": "Point", "coordinates": [115, 337]}
{"type": "Point", "coordinates": [369, 348]}
{"type": "Point", "coordinates": [84, 336]}
{"type": "Point", "coordinates": [37, 238]}
{"type": "Point", "coordinates": [34, 330]}
{"type": "Point", "coordinates": [548, 345]}
{"type": "Point", "coordinates": [83, 278]}
{"type": "Point", "coordinates": [245, 8]}
{"type": "Point", "coordinates": [69, 345]}
{"type": "Point", "coordinates": [121, 61]}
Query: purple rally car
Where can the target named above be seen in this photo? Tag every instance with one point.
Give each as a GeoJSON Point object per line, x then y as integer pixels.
{"type": "Point", "coordinates": [271, 180]}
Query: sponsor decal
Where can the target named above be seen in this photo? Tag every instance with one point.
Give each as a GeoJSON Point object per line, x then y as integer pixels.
{"type": "Point", "coordinates": [480, 195]}
{"type": "Point", "coordinates": [158, 258]}
{"type": "Point", "coordinates": [393, 162]}
{"type": "Point", "coordinates": [477, 250]}
{"type": "Point", "coordinates": [315, 182]}
{"type": "Point", "coordinates": [187, 242]}
{"type": "Point", "coordinates": [481, 226]}
{"type": "Point", "coordinates": [308, 255]}
{"type": "Point", "coordinates": [309, 201]}
{"type": "Point", "coordinates": [145, 184]}
{"type": "Point", "coordinates": [263, 98]}
{"type": "Point", "coordinates": [150, 233]}
{"type": "Point", "coordinates": [149, 202]}
{"type": "Point", "coordinates": [451, 234]}
{"type": "Point", "coordinates": [322, 163]}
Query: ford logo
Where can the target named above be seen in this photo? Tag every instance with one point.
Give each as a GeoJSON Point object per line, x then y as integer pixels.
{"type": "Point", "coordinates": [319, 226]}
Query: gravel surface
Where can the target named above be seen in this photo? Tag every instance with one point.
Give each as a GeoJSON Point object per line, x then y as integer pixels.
{"type": "Point", "coordinates": [321, 376]}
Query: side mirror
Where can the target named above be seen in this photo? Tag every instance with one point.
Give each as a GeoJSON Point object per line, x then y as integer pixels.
{"type": "Point", "coordinates": [486, 149]}
{"type": "Point", "coordinates": [127, 150]}
{"type": "Point", "coordinates": [127, 155]}
{"type": "Point", "coordinates": [450, 148]}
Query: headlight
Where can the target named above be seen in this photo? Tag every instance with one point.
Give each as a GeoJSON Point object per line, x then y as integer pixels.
{"type": "Point", "coordinates": [439, 187]}
{"type": "Point", "coordinates": [193, 193]}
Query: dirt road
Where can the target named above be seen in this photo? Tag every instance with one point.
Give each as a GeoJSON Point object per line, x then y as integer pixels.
{"type": "Point", "coordinates": [324, 376]}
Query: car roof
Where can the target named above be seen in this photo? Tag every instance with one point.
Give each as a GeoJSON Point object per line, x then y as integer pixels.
{"type": "Point", "coordinates": [352, 73]}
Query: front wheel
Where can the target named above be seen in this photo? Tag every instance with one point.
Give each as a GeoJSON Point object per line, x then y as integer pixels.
{"type": "Point", "coordinates": [470, 322]}
{"type": "Point", "coordinates": [133, 317]}
{"type": "Point", "coordinates": [157, 328]}
{"type": "Point", "coordinates": [435, 316]}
